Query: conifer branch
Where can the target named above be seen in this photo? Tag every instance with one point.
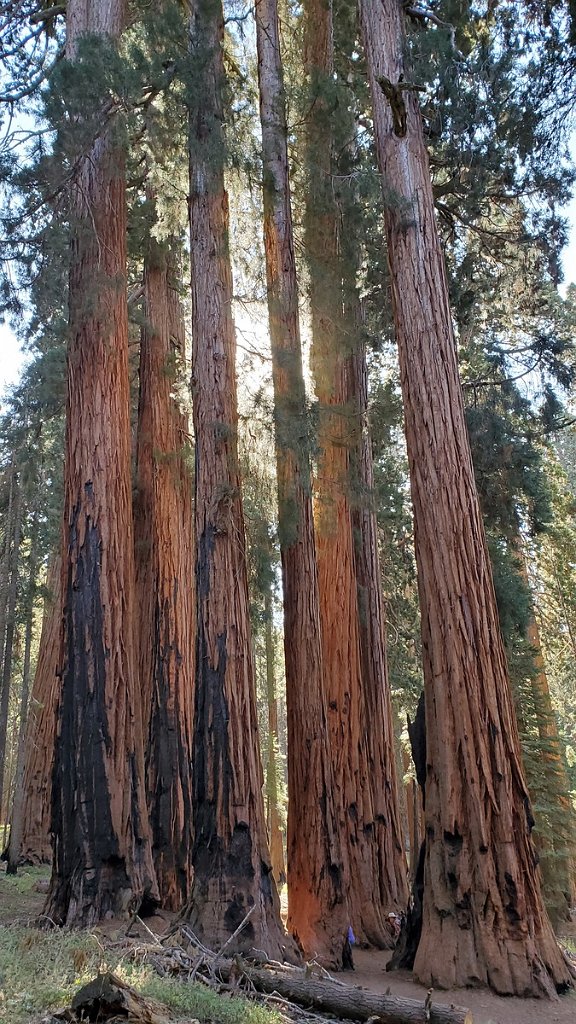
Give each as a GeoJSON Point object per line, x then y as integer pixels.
{"type": "Point", "coordinates": [47, 14]}
{"type": "Point", "coordinates": [419, 13]}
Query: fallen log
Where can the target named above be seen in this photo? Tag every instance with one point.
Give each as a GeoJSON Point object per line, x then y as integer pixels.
{"type": "Point", "coordinates": [298, 986]}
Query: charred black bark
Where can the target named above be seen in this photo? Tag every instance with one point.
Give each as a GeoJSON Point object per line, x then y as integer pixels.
{"type": "Point", "coordinates": [85, 842]}
{"type": "Point", "coordinates": [411, 930]}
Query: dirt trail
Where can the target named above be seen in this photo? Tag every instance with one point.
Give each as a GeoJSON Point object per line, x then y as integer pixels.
{"type": "Point", "coordinates": [487, 1008]}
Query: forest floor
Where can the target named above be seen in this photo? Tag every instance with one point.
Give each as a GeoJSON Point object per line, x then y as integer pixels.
{"type": "Point", "coordinates": [41, 970]}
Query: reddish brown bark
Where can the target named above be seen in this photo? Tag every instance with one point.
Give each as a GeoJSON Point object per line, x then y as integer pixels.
{"type": "Point", "coordinates": [483, 916]}
{"type": "Point", "coordinates": [165, 579]}
{"type": "Point", "coordinates": [102, 855]}
{"type": "Point", "coordinates": [232, 870]}
{"type": "Point", "coordinates": [317, 913]}
{"type": "Point", "coordinates": [36, 843]}
{"type": "Point", "coordinates": [361, 737]}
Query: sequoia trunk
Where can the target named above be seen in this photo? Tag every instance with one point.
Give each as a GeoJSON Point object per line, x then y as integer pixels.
{"type": "Point", "coordinates": [36, 844]}
{"type": "Point", "coordinates": [102, 856]}
{"type": "Point", "coordinates": [231, 862]}
{"type": "Point", "coordinates": [317, 913]}
{"type": "Point", "coordinates": [165, 579]}
{"type": "Point", "coordinates": [483, 916]}
{"type": "Point", "coordinates": [359, 734]}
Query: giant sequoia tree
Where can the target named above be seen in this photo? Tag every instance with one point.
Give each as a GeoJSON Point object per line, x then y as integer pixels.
{"type": "Point", "coordinates": [102, 855]}
{"type": "Point", "coordinates": [317, 907]}
{"type": "Point", "coordinates": [359, 713]}
{"type": "Point", "coordinates": [231, 862]}
{"type": "Point", "coordinates": [483, 916]}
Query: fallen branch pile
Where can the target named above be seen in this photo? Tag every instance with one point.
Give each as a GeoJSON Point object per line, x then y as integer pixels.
{"type": "Point", "coordinates": [291, 988]}
{"type": "Point", "coordinates": [299, 995]}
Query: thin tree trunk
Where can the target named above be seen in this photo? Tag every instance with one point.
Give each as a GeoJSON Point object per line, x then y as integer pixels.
{"type": "Point", "coordinates": [102, 852]}
{"type": "Point", "coordinates": [6, 555]}
{"type": "Point", "coordinates": [165, 580]}
{"type": "Point", "coordinates": [556, 846]}
{"type": "Point", "coordinates": [273, 815]}
{"type": "Point", "coordinates": [379, 721]}
{"type": "Point", "coordinates": [317, 913]}
{"type": "Point", "coordinates": [6, 681]}
{"type": "Point", "coordinates": [17, 819]}
{"type": "Point", "coordinates": [231, 861]}
{"type": "Point", "coordinates": [36, 844]}
{"type": "Point", "coordinates": [483, 917]}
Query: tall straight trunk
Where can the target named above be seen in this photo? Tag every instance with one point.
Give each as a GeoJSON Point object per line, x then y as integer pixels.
{"type": "Point", "coordinates": [165, 579]}
{"type": "Point", "coordinates": [17, 817]}
{"type": "Point", "coordinates": [483, 917]}
{"type": "Point", "coordinates": [102, 853]}
{"type": "Point", "coordinates": [317, 913]}
{"type": "Point", "coordinates": [362, 751]}
{"type": "Point", "coordinates": [231, 861]}
{"type": "Point", "coordinates": [379, 719]}
{"type": "Point", "coordinates": [36, 843]}
{"type": "Point", "coordinates": [272, 788]}
{"type": "Point", "coordinates": [6, 678]}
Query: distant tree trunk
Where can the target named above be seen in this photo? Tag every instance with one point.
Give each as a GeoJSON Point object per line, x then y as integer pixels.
{"type": "Point", "coordinates": [556, 840]}
{"type": "Point", "coordinates": [362, 754]}
{"type": "Point", "coordinates": [6, 679]}
{"type": "Point", "coordinates": [317, 914]}
{"type": "Point", "coordinates": [483, 917]}
{"type": "Point", "coordinates": [6, 557]}
{"type": "Point", "coordinates": [379, 721]}
{"type": "Point", "coordinates": [165, 579]}
{"type": "Point", "coordinates": [102, 853]}
{"type": "Point", "coordinates": [231, 861]}
{"type": "Point", "coordinates": [272, 794]}
{"type": "Point", "coordinates": [36, 843]}
{"type": "Point", "coordinates": [17, 818]}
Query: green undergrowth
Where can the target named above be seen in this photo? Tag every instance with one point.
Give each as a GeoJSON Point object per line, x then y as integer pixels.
{"type": "Point", "coordinates": [42, 970]}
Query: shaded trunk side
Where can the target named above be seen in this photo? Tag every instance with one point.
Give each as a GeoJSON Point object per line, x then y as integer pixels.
{"type": "Point", "coordinates": [483, 917]}
{"type": "Point", "coordinates": [36, 843]}
{"type": "Point", "coordinates": [231, 861]}
{"type": "Point", "coordinates": [102, 855]}
{"type": "Point", "coordinates": [165, 580]}
{"type": "Point", "coordinates": [317, 915]}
